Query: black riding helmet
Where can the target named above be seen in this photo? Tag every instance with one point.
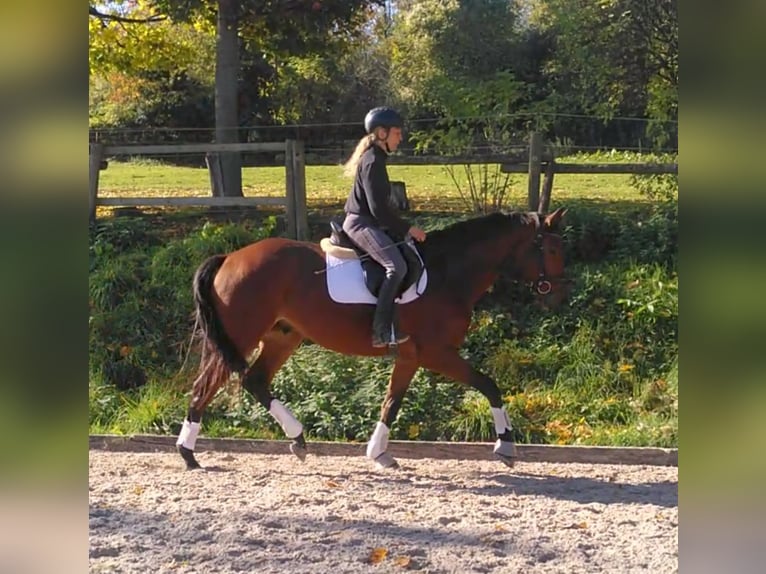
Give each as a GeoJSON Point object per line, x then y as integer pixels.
{"type": "Point", "coordinates": [382, 117]}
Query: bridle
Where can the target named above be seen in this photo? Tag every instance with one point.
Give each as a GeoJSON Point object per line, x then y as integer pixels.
{"type": "Point", "coordinates": [544, 283]}
{"type": "Point", "coordinates": [543, 286]}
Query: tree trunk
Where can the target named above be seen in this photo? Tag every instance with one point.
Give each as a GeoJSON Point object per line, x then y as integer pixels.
{"type": "Point", "coordinates": [226, 92]}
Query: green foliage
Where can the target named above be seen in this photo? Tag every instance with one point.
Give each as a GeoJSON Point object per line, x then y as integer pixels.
{"type": "Point", "coordinates": [476, 116]}
{"type": "Point", "coordinates": [169, 99]}
{"type": "Point", "coordinates": [140, 296]}
{"type": "Point", "coordinates": [165, 45]}
{"type": "Point", "coordinates": [281, 76]}
{"type": "Point", "coordinates": [446, 63]}
{"type": "Point", "coordinates": [445, 52]}
{"type": "Point", "coordinates": [614, 58]}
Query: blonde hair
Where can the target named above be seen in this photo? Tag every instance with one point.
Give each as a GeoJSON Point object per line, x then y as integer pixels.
{"type": "Point", "coordinates": [349, 168]}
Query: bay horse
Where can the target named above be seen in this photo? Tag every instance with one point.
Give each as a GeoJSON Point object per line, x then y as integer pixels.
{"type": "Point", "coordinates": [254, 307]}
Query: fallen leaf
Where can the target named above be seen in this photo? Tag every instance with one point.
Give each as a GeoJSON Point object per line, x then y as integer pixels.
{"type": "Point", "coordinates": [578, 526]}
{"type": "Point", "coordinates": [377, 555]}
{"type": "Point", "coordinates": [403, 561]}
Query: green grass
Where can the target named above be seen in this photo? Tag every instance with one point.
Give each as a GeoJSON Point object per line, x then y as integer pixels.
{"type": "Point", "coordinates": [429, 188]}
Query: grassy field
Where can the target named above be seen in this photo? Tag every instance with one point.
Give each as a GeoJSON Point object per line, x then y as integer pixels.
{"type": "Point", "coordinates": [429, 188]}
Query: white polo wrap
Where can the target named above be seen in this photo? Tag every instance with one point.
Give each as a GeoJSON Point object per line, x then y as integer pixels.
{"type": "Point", "coordinates": [285, 418]}
{"type": "Point", "coordinates": [502, 422]}
{"type": "Point", "coordinates": [188, 435]}
{"type": "Point", "coordinates": [378, 442]}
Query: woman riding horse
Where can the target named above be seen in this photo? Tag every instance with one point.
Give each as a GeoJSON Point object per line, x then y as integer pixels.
{"type": "Point", "coordinates": [370, 218]}
{"type": "Point", "coordinates": [256, 305]}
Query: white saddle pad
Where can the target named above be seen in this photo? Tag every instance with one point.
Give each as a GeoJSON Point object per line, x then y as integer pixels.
{"type": "Point", "coordinates": [345, 283]}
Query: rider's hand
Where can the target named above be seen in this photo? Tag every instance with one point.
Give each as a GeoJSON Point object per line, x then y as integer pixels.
{"type": "Point", "coordinates": [417, 234]}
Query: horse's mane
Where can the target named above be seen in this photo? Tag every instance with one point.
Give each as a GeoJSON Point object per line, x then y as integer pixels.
{"type": "Point", "coordinates": [442, 250]}
{"type": "Point", "coordinates": [455, 237]}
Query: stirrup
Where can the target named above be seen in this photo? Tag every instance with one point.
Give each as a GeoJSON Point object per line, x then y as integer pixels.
{"type": "Point", "coordinates": [392, 340]}
{"type": "Point", "coordinates": [379, 343]}
{"type": "Point", "coordinates": [396, 335]}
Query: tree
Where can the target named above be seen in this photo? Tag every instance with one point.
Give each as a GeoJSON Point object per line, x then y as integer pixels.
{"type": "Point", "coordinates": [613, 58]}
{"type": "Point", "coordinates": [455, 61]}
{"type": "Point", "coordinates": [292, 26]}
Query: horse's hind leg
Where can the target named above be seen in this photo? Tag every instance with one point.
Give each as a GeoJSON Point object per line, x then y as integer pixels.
{"type": "Point", "coordinates": [187, 438]}
{"type": "Point", "coordinates": [401, 376]}
{"type": "Point", "coordinates": [275, 348]}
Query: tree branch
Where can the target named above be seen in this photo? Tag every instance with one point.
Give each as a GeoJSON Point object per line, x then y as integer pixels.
{"type": "Point", "coordinates": [92, 11]}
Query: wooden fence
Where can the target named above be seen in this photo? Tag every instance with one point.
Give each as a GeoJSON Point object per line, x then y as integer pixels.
{"type": "Point", "coordinates": [535, 161]}
{"type": "Point", "coordinates": [541, 161]}
{"type": "Point", "coordinates": [295, 179]}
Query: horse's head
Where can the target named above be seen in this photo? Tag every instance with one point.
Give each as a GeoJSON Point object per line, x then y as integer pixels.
{"type": "Point", "coordinates": [542, 263]}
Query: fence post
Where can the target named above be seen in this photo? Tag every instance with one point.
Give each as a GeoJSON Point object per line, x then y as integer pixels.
{"type": "Point", "coordinates": [545, 195]}
{"type": "Point", "coordinates": [94, 167]}
{"type": "Point", "coordinates": [213, 161]}
{"type": "Point", "coordinates": [290, 188]}
{"type": "Point", "coordinates": [535, 162]}
{"type": "Point", "coordinates": [299, 191]}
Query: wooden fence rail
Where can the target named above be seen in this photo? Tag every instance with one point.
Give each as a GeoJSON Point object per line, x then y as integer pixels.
{"type": "Point", "coordinates": [536, 161]}
{"type": "Point", "coordinates": [541, 161]}
{"type": "Point", "coordinates": [294, 199]}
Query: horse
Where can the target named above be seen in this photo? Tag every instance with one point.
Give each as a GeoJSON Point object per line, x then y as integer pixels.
{"type": "Point", "coordinates": [254, 307]}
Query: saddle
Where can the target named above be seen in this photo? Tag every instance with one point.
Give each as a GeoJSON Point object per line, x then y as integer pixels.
{"type": "Point", "coordinates": [339, 244]}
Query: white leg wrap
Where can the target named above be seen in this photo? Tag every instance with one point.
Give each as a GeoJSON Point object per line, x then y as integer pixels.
{"type": "Point", "coordinates": [378, 441]}
{"type": "Point", "coordinates": [502, 422]}
{"type": "Point", "coordinates": [285, 418]}
{"type": "Point", "coordinates": [188, 435]}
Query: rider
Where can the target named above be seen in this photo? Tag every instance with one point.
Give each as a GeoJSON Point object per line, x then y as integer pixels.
{"type": "Point", "coordinates": [370, 217]}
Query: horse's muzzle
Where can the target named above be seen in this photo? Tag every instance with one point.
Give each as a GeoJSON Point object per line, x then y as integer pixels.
{"type": "Point", "coordinates": [551, 293]}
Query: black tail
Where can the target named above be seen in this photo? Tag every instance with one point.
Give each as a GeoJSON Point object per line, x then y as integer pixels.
{"type": "Point", "coordinates": [220, 357]}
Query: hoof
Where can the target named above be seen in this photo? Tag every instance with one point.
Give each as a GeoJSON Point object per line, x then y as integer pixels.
{"type": "Point", "coordinates": [298, 447]}
{"type": "Point", "coordinates": [299, 450]}
{"type": "Point", "coordinates": [505, 452]}
{"type": "Point", "coordinates": [506, 460]}
{"type": "Point", "coordinates": [385, 461]}
{"type": "Point", "coordinates": [188, 456]}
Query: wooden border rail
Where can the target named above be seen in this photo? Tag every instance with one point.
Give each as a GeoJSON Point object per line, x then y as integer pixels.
{"type": "Point", "coordinates": [403, 449]}
{"type": "Point", "coordinates": [295, 179]}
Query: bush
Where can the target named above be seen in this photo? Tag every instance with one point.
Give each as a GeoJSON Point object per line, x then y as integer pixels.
{"type": "Point", "coordinates": [140, 296]}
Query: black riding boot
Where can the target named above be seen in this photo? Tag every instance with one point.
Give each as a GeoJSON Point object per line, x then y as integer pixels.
{"type": "Point", "coordinates": [385, 316]}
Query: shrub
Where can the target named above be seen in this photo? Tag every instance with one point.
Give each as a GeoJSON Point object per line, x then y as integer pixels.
{"type": "Point", "coordinates": [140, 296]}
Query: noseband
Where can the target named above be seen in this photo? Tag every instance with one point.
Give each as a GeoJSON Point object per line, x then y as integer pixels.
{"type": "Point", "coordinates": [543, 285]}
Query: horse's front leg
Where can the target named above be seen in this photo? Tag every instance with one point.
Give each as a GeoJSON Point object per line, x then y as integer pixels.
{"type": "Point", "coordinates": [449, 363]}
{"type": "Point", "coordinates": [401, 376]}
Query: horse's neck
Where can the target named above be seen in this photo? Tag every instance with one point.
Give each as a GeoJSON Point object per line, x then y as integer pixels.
{"type": "Point", "coordinates": [486, 264]}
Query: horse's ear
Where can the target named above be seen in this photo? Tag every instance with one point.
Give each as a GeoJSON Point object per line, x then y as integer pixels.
{"type": "Point", "coordinates": [553, 221]}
